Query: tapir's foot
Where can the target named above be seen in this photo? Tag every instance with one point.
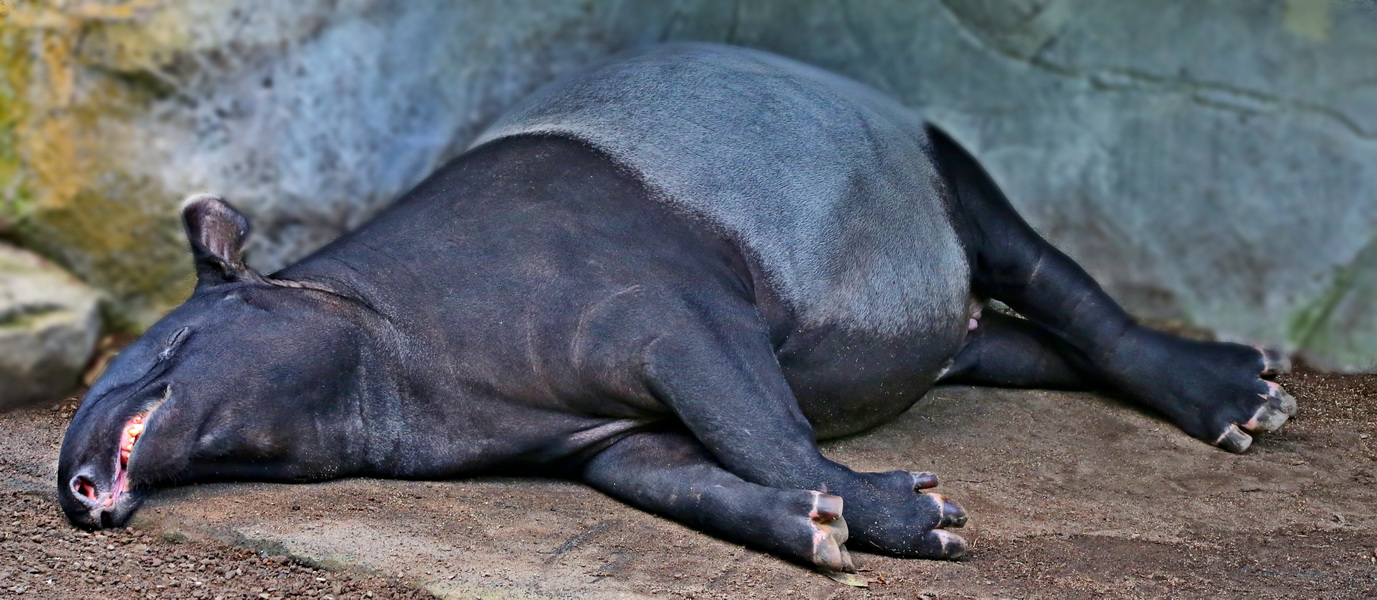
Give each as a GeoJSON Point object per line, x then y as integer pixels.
{"type": "Point", "coordinates": [1216, 392]}
{"type": "Point", "coordinates": [905, 520]}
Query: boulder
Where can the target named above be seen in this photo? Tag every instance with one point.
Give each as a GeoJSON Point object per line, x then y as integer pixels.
{"type": "Point", "coordinates": [1211, 162]}
{"type": "Point", "coordinates": [49, 323]}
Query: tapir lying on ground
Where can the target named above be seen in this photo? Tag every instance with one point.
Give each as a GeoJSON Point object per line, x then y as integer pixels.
{"type": "Point", "coordinates": [666, 276]}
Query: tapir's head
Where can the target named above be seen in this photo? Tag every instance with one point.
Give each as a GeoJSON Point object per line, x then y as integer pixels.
{"type": "Point", "coordinates": [251, 378]}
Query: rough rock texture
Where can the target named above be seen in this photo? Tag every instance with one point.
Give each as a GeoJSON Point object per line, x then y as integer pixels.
{"type": "Point", "coordinates": [1211, 161]}
{"type": "Point", "coordinates": [49, 322]}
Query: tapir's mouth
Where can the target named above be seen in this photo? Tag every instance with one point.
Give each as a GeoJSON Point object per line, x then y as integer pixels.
{"type": "Point", "coordinates": [129, 435]}
{"type": "Point", "coordinates": [92, 501]}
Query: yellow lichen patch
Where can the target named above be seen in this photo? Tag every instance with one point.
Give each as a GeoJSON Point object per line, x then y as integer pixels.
{"type": "Point", "coordinates": [13, 77]}
{"type": "Point", "coordinates": [40, 39]}
{"type": "Point", "coordinates": [50, 14]}
{"type": "Point", "coordinates": [130, 249]}
{"type": "Point", "coordinates": [144, 45]}
{"type": "Point", "coordinates": [67, 129]}
{"type": "Point", "coordinates": [117, 233]}
{"type": "Point", "coordinates": [1309, 19]}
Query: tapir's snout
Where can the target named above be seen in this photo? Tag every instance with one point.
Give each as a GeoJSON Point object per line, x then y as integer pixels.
{"type": "Point", "coordinates": [93, 486]}
{"type": "Point", "coordinates": [92, 502]}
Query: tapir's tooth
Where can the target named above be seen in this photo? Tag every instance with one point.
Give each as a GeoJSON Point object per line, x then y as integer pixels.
{"type": "Point", "coordinates": [135, 429]}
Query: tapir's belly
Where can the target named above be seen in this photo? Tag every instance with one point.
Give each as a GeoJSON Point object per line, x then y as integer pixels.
{"type": "Point", "coordinates": [851, 380]}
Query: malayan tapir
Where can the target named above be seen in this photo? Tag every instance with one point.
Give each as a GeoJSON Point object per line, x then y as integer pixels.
{"type": "Point", "coordinates": [667, 276]}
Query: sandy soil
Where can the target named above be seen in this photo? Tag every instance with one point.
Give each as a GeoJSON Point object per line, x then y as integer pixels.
{"type": "Point", "coordinates": [1071, 496]}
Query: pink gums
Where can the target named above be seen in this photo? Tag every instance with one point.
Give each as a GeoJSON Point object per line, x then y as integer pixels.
{"type": "Point", "coordinates": [129, 435]}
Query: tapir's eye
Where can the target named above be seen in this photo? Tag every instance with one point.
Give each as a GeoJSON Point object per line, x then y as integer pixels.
{"type": "Point", "coordinates": [173, 342]}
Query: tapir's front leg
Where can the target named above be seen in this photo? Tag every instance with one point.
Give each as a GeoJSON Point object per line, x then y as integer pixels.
{"type": "Point", "coordinates": [718, 373]}
{"type": "Point", "coordinates": [670, 473]}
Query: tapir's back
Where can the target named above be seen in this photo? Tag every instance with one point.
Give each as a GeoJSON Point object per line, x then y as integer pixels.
{"type": "Point", "coordinates": [824, 182]}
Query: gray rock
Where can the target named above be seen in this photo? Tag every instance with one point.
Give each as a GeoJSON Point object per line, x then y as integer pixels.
{"type": "Point", "coordinates": [49, 323]}
{"type": "Point", "coordinates": [1212, 162]}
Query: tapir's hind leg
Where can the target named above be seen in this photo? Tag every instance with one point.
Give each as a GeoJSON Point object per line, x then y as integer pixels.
{"type": "Point", "coordinates": [1213, 391]}
{"type": "Point", "coordinates": [671, 474]}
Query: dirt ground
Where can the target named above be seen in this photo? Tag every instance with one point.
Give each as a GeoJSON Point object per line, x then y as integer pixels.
{"type": "Point", "coordinates": [1071, 495]}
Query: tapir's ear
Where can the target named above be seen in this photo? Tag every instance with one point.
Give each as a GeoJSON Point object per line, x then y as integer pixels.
{"type": "Point", "coordinates": [217, 233]}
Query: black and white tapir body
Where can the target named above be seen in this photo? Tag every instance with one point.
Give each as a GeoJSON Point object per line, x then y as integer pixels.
{"type": "Point", "coordinates": [666, 276]}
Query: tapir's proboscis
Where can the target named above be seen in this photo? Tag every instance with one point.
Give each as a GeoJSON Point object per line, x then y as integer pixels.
{"type": "Point", "coordinates": [667, 276]}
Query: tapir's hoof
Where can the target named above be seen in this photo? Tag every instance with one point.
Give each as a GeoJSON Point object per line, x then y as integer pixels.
{"type": "Point", "coordinates": [1277, 406]}
{"type": "Point", "coordinates": [829, 534]}
{"type": "Point", "coordinates": [1270, 406]}
{"type": "Point", "coordinates": [948, 545]}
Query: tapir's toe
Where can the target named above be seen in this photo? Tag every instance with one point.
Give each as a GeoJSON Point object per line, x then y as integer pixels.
{"type": "Point", "coordinates": [1234, 440]}
{"type": "Point", "coordinates": [829, 534]}
{"type": "Point", "coordinates": [1272, 412]}
{"type": "Point", "coordinates": [939, 544]}
{"type": "Point", "coordinates": [1264, 409]}
{"type": "Point", "coordinates": [923, 480]}
{"type": "Point", "coordinates": [1278, 406]}
{"type": "Point", "coordinates": [944, 544]}
{"type": "Point", "coordinates": [950, 514]}
{"type": "Point", "coordinates": [950, 545]}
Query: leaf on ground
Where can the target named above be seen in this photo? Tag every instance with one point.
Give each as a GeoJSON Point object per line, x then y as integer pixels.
{"type": "Point", "coordinates": [851, 579]}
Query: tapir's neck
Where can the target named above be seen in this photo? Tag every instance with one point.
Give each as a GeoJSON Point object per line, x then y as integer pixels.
{"type": "Point", "coordinates": [365, 417]}
{"type": "Point", "coordinates": [485, 281]}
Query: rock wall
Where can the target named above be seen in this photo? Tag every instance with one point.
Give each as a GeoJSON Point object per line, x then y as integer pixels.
{"type": "Point", "coordinates": [1210, 161]}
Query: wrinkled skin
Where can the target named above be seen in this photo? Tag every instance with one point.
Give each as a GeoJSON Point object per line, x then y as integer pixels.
{"type": "Point", "coordinates": [532, 308]}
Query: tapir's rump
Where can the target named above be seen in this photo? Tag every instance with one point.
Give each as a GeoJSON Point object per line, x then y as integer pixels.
{"type": "Point", "coordinates": [827, 183]}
